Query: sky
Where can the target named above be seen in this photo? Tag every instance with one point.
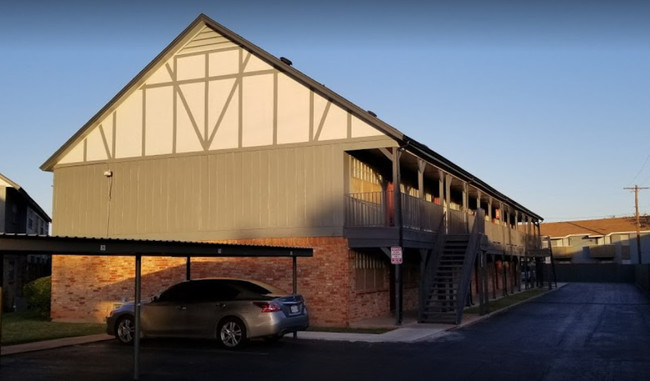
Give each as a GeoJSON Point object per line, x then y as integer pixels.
{"type": "Point", "coordinates": [546, 101]}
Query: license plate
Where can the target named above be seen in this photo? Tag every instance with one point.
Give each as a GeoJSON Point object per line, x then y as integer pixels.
{"type": "Point", "coordinates": [295, 309]}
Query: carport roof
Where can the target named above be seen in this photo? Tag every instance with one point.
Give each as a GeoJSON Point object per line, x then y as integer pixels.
{"type": "Point", "coordinates": [41, 244]}
{"type": "Point", "coordinates": [94, 246]}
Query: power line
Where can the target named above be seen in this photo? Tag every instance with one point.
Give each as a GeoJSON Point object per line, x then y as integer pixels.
{"type": "Point", "coordinates": [642, 167]}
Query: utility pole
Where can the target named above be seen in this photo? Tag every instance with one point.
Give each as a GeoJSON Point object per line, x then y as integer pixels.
{"type": "Point", "coordinates": [638, 222]}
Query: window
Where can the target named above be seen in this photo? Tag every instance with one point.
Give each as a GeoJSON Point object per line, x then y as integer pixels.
{"type": "Point", "coordinates": [178, 292]}
{"type": "Point", "coordinates": [211, 291]}
{"type": "Point", "coordinates": [364, 178]}
{"type": "Point", "coordinates": [371, 273]}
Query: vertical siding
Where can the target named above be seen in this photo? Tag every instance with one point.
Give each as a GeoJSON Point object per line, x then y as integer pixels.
{"type": "Point", "coordinates": [236, 194]}
{"type": "Point", "coordinates": [80, 203]}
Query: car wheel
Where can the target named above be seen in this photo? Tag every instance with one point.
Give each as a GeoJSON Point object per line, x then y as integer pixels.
{"type": "Point", "coordinates": [231, 333]}
{"type": "Point", "coordinates": [125, 330]}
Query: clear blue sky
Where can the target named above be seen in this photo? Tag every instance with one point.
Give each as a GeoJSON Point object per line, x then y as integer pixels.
{"type": "Point", "coordinates": [547, 101]}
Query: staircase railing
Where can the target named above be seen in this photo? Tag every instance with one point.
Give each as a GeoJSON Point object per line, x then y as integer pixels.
{"type": "Point", "coordinates": [471, 252]}
{"type": "Point", "coordinates": [432, 262]}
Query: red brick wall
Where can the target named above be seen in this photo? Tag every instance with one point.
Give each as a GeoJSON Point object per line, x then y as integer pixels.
{"type": "Point", "coordinates": [365, 305]}
{"type": "Point", "coordinates": [85, 288]}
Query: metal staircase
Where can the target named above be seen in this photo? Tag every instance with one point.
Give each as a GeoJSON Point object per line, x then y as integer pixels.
{"type": "Point", "coordinates": [448, 275]}
{"type": "Point", "coordinates": [442, 296]}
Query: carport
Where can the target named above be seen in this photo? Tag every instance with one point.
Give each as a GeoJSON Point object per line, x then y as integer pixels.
{"type": "Point", "coordinates": [18, 244]}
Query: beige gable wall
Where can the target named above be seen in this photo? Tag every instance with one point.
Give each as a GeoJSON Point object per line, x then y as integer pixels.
{"type": "Point", "coordinates": [213, 95]}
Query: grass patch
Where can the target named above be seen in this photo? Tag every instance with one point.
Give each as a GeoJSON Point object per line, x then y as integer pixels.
{"type": "Point", "coordinates": [27, 327]}
{"type": "Point", "coordinates": [506, 301]}
{"type": "Point", "coordinates": [350, 330]}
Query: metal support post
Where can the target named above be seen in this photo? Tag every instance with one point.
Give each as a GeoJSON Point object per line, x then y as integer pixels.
{"type": "Point", "coordinates": [495, 279]}
{"type": "Point", "coordinates": [188, 268]}
{"type": "Point", "coordinates": [138, 297]}
{"type": "Point", "coordinates": [482, 285]}
{"type": "Point", "coordinates": [504, 274]}
{"type": "Point", "coordinates": [2, 272]}
{"type": "Point", "coordinates": [294, 274]}
{"type": "Point", "coordinates": [398, 294]}
{"type": "Point", "coordinates": [397, 194]}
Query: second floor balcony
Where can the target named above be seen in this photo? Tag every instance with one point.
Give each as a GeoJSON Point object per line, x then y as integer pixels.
{"type": "Point", "coordinates": [370, 221]}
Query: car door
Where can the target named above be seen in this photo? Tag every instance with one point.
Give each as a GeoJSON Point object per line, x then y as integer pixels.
{"type": "Point", "coordinates": [167, 314]}
{"type": "Point", "coordinates": [212, 300]}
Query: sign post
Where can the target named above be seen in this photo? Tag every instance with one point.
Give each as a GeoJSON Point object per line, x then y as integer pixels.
{"type": "Point", "coordinates": [396, 258]}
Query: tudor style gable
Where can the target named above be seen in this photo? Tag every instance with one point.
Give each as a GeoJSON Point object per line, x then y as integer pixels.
{"type": "Point", "coordinates": [207, 92]}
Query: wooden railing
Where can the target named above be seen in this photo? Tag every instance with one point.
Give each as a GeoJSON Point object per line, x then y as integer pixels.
{"type": "Point", "coordinates": [375, 209]}
{"type": "Point", "coordinates": [419, 214]}
{"type": "Point", "coordinates": [511, 240]}
{"type": "Point", "coordinates": [368, 209]}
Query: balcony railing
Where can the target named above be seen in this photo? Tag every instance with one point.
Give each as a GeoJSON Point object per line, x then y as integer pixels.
{"type": "Point", "coordinates": [375, 209]}
{"type": "Point", "coordinates": [368, 209]}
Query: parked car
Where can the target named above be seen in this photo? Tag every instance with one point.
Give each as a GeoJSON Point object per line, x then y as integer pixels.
{"type": "Point", "coordinates": [230, 310]}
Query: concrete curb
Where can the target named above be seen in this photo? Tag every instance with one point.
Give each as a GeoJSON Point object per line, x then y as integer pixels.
{"type": "Point", "coordinates": [51, 344]}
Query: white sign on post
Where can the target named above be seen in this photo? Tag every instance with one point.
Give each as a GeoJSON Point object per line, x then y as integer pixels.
{"type": "Point", "coordinates": [396, 255]}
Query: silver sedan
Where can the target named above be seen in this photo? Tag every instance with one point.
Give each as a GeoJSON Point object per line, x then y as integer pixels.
{"type": "Point", "coordinates": [230, 310]}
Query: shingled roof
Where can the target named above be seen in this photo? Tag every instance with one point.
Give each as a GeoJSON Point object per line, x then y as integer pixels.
{"type": "Point", "coordinates": [594, 227]}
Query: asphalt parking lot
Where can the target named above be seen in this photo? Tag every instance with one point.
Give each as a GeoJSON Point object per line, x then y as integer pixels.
{"type": "Point", "coordinates": [579, 332]}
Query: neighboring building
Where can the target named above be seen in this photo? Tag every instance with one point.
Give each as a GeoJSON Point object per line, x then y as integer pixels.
{"type": "Point", "coordinates": [19, 213]}
{"type": "Point", "coordinates": [602, 240]}
{"type": "Point", "coordinates": [217, 140]}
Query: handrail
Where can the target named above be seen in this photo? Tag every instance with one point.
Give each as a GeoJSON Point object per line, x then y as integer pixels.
{"type": "Point", "coordinates": [432, 263]}
{"type": "Point", "coordinates": [470, 256]}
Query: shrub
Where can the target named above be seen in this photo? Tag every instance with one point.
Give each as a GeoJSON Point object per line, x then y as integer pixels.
{"type": "Point", "coordinates": [38, 295]}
